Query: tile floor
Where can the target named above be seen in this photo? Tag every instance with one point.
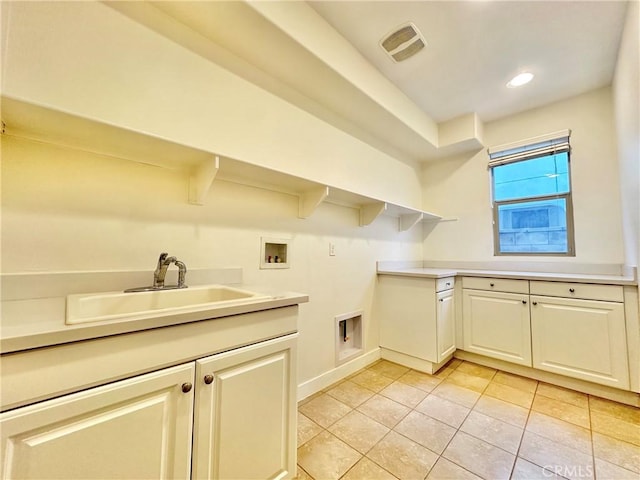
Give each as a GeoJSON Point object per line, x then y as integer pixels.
{"type": "Point", "coordinates": [466, 422]}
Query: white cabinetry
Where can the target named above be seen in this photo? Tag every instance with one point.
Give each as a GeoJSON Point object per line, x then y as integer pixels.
{"type": "Point", "coordinates": [244, 423]}
{"type": "Point", "coordinates": [135, 428]}
{"type": "Point", "coordinates": [580, 338]}
{"type": "Point", "coordinates": [417, 322]}
{"type": "Point", "coordinates": [495, 318]}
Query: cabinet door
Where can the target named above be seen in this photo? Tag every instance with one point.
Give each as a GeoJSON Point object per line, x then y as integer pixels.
{"type": "Point", "coordinates": [497, 325]}
{"type": "Point", "coordinates": [580, 338]}
{"type": "Point", "coordinates": [446, 324]}
{"type": "Point", "coordinates": [245, 418]}
{"type": "Point", "coordinates": [136, 428]}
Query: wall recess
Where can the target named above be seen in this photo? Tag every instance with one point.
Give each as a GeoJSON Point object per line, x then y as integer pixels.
{"type": "Point", "coordinates": [275, 252]}
{"type": "Point", "coordinates": [349, 336]}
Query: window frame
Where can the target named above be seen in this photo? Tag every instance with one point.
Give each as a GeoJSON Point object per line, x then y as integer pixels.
{"type": "Point", "coordinates": [523, 147]}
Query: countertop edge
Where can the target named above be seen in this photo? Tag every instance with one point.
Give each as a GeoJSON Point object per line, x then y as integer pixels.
{"type": "Point", "coordinates": [551, 277]}
{"type": "Point", "coordinates": [62, 334]}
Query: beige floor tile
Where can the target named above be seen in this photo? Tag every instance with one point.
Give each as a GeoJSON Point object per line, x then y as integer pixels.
{"type": "Point", "coordinates": [456, 393]}
{"type": "Point", "coordinates": [307, 429]}
{"type": "Point", "coordinates": [420, 380]}
{"type": "Point", "coordinates": [509, 394]}
{"type": "Point", "coordinates": [358, 431]}
{"type": "Point", "coordinates": [384, 410]}
{"type": "Point", "coordinates": [616, 428]}
{"type": "Point", "coordinates": [444, 372]}
{"type": "Point", "coordinates": [351, 393]}
{"type": "Point", "coordinates": [302, 475]}
{"type": "Point", "coordinates": [426, 431]}
{"type": "Point", "coordinates": [524, 470]}
{"type": "Point", "coordinates": [477, 370]}
{"type": "Point", "coordinates": [493, 431]}
{"type": "Point", "coordinates": [446, 470]}
{"type": "Point", "coordinates": [467, 380]}
{"type": "Point", "coordinates": [609, 471]}
{"type": "Point", "coordinates": [563, 394]}
{"type": "Point", "coordinates": [616, 451]}
{"type": "Point", "coordinates": [516, 381]}
{"type": "Point", "coordinates": [389, 369]}
{"type": "Point", "coordinates": [404, 394]}
{"type": "Point", "coordinates": [365, 469]}
{"type": "Point", "coordinates": [325, 410]}
{"type": "Point", "coordinates": [309, 398]}
{"type": "Point", "coordinates": [560, 431]}
{"type": "Point", "coordinates": [564, 411]}
{"type": "Point", "coordinates": [479, 457]}
{"type": "Point", "coordinates": [326, 457]}
{"type": "Point", "coordinates": [371, 380]}
{"type": "Point", "coordinates": [556, 457]}
{"type": "Point", "coordinates": [505, 411]}
{"type": "Point", "coordinates": [623, 412]}
{"type": "Point", "coordinates": [444, 410]}
{"type": "Point", "coordinates": [402, 457]}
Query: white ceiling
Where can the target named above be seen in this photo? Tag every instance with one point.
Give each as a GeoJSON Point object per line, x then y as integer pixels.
{"type": "Point", "coordinates": [475, 47]}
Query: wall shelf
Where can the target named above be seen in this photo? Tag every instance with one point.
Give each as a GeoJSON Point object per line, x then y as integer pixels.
{"type": "Point", "coordinates": [45, 125]}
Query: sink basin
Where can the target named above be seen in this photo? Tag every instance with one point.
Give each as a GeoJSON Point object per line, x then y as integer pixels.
{"type": "Point", "coordinates": [95, 307]}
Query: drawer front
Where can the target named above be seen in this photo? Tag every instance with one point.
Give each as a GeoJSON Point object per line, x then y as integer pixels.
{"type": "Point", "coordinates": [444, 284]}
{"type": "Point", "coordinates": [496, 284]}
{"type": "Point", "coordinates": [587, 291]}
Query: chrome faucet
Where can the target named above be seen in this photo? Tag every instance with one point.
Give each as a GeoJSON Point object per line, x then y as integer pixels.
{"type": "Point", "coordinates": [161, 271]}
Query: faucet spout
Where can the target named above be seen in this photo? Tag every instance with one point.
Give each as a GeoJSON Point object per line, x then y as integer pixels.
{"type": "Point", "coordinates": [164, 260]}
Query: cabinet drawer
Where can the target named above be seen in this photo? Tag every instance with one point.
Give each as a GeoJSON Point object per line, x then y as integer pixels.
{"type": "Point", "coordinates": [444, 284]}
{"type": "Point", "coordinates": [496, 284]}
{"type": "Point", "coordinates": [587, 291]}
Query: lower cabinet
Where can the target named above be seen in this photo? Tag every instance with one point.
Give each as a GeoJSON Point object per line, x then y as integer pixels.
{"type": "Point", "coordinates": [239, 408]}
{"type": "Point", "coordinates": [417, 322]}
{"type": "Point", "coordinates": [496, 324]}
{"type": "Point", "coordinates": [580, 338]}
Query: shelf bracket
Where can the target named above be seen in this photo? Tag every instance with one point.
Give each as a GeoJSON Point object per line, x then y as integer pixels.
{"type": "Point", "coordinates": [310, 200]}
{"type": "Point", "coordinates": [371, 211]}
{"type": "Point", "coordinates": [201, 179]}
{"type": "Point", "coordinates": [409, 220]}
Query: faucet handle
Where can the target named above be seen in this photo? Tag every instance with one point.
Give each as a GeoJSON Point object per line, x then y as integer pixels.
{"type": "Point", "coordinates": [162, 258]}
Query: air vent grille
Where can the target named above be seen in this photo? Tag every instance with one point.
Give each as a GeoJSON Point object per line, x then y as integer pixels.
{"type": "Point", "coordinates": [404, 42]}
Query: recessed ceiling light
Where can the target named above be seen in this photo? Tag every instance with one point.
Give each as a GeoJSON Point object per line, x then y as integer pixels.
{"type": "Point", "coordinates": [520, 80]}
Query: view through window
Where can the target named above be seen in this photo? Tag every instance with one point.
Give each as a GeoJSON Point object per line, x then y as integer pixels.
{"type": "Point", "coordinates": [532, 199]}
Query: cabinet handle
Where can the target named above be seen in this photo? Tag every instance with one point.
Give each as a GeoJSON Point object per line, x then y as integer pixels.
{"type": "Point", "coordinates": [186, 387]}
{"type": "Point", "coordinates": [442, 300]}
{"type": "Point", "coordinates": [524, 302]}
{"type": "Point", "coordinates": [572, 290]}
{"type": "Point", "coordinates": [448, 284]}
{"type": "Point", "coordinates": [491, 284]}
{"type": "Point", "coordinates": [535, 303]}
{"type": "Point", "coordinates": [208, 379]}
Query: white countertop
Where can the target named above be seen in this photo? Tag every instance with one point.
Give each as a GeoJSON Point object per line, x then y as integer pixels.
{"type": "Point", "coordinates": [40, 322]}
{"type": "Point", "coordinates": [543, 276]}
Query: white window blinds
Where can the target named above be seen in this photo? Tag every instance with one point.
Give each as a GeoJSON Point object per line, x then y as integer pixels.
{"type": "Point", "coordinates": [541, 146]}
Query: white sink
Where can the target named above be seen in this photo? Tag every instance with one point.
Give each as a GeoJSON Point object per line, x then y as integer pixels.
{"type": "Point", "coordinates": [95, 307]}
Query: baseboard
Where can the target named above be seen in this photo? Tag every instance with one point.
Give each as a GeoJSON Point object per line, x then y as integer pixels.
{"type": "Point", "coordinates": [622, 396]}
{"type": "Point", "coordinates": [334, 375]}
{"type": "Point", "coordinates": [411, 361]}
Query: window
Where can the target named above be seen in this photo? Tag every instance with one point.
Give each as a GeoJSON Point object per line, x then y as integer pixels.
{"type": "Point", "coordinates": [532, 211]}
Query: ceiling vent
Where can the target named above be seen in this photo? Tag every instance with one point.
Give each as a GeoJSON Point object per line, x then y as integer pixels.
{"type": "Point", "coordinates": [404, 42]}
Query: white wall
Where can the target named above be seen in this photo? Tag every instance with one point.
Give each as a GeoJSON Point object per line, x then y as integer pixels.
{"type": "Point", "coordinates": [66, 210]}
{"type": "Point", "coordinates": [626, 94]}
{"type": "Point", "coordinates": [460, 186]}
{"type": "Point", "coordinates": [88, 59]}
